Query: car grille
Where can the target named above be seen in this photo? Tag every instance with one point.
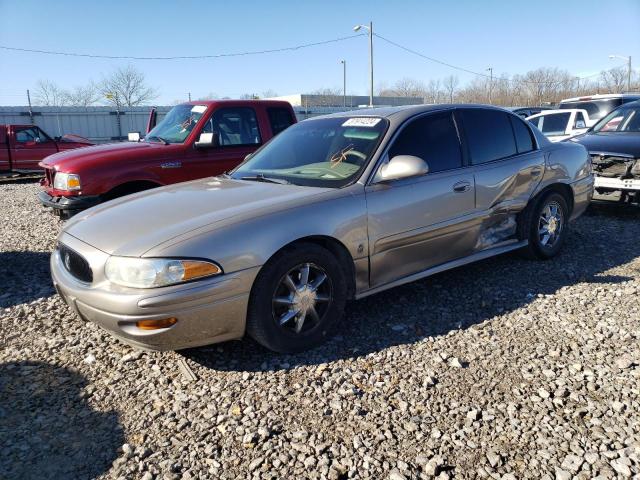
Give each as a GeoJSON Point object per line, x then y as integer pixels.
{"type": "Point", "coordinates": [75, 264]}
{"type": "Point", "coordinates": [48, 175]}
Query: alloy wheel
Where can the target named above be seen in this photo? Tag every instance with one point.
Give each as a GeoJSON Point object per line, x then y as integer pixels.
{"type": "Point", "coordinates": [550, 224]}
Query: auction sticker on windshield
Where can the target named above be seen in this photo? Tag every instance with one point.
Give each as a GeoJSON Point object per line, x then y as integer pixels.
{"type": "Point", "coordinates": [361, 122]}
{"type": "Point", "coordinates": [199, 108]}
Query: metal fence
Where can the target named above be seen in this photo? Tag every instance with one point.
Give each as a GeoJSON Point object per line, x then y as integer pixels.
{"type": "Point", "coordinates": [105, 124]}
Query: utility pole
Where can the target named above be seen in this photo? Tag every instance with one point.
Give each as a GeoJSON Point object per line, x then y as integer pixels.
{"type": "Point", "coordinates": [30, 110]}
{"type": "Point", "coordinates": [370, 29]}
{"type": "Point", "coordinates": [628, 59]}
{"type": "Point", "coordinates": [344, 83]}
{"type": "Point", "coordinates": [490, 70]}
{"type": "Point", "coordinates": [189, 96]}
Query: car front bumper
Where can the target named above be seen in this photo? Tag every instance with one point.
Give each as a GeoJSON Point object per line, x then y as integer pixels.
{"type": "Point", "coordinates": [70, 204]}
{"type": "Point", "coordinates": [207, 311]}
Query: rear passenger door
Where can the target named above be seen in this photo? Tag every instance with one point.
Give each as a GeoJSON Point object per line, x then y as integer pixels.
{"type": "Point", "coordinates": [506, 167]}
{"type": "Point", "coordinates": [417, 223]}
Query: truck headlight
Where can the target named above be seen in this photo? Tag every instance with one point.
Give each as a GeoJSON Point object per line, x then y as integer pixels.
{"type": "Point", "coordinates": [156, 272]}
{"type": "Point", "coordinates": [66, 181]}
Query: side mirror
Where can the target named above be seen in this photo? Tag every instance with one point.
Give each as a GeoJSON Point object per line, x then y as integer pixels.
{"type": "Point", "coordinates": [208, 140]}
{"type": "Point", "coordinates": [580, 124]}
{"type": "Point", "coordinates": [133, 136]}
{"type": "Point", "coordinates": [402, 166]}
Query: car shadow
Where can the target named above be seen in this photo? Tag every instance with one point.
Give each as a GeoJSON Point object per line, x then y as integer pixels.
{"type": "Point", "coordinates": [25, 276]}
{"type": "Point", "coordinates": [8, 179]}
{"type": "Point", "coordinates": [456, 299]}
{"type": "Point", "coordinates": [47, 429]}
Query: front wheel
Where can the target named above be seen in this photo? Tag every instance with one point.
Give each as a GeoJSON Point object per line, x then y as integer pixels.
{"type": "Point", "coordinates": [545, 224]}
{"type": "Point", "coordinates": [297, 299]}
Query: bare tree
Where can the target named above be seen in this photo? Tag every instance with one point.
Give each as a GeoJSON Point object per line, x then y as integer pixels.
{"type": "Point", "coordinates": [83, 96]}
{"type": "Point", "coordinates": [433, 92]}
{"type": "Point", "coordinates": [50, 94]}
{"type": "Point", "coordinates": [409, 87]}
{"type": "Point", "coordinates": [249, 96]}
{"type": "Point", "coordinates": [450, 85]}
{"type": "Point", "coordinates": [127, 87]}
{"type": "Point", "coordinates": [269, 93]}
{"type": "Point", "coordinates": [615, 79]}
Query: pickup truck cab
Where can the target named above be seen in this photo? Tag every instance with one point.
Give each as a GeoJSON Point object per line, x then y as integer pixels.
{"type": "Point", "coordinates": [194, 140]}
{"type": "Point", "coordinates": [558, 125]}
{"type": "Point", "coordinates": [22, 147]}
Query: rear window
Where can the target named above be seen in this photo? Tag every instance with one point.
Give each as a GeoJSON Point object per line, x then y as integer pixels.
{"type": "Point", "coordinates": [489, 135]}
{"type": "Point", "coordinates": [553, 124]}
{"type": "Point", "coordinates": [595, 108]}
{"type": "Point", "coordinates": [279, 119]}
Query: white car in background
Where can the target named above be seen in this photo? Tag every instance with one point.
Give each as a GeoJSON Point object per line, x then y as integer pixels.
{"type": "Point", "coordinates": [558, 125]}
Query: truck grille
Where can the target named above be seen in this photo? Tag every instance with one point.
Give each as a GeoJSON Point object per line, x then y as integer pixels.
{"type": "Point", "coordinates": [48, 176]}
{"type": "Point", "coordinates": [75, 264]}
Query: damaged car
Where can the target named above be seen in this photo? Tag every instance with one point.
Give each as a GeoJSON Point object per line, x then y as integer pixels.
{"type": "Point", "coordinates": [614, 147]}
{"type": "Point", "coordinates": [332, 209]}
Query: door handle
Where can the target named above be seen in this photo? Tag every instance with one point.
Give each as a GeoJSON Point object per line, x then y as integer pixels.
{"type": "Point", "coordinates": [461, 187]}
{"type": "Point", "coordinates": [536, 171]}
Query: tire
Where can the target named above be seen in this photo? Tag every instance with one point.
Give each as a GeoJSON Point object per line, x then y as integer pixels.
{"type": "Point", "coordinates": [272, 319]}
{"type": "Point", "coordinates": [533, 225]}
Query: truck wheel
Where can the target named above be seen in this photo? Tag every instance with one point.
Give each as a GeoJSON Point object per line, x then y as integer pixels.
{"type": "Point", "coordinates": [545, 223]}
{"type": "Point", "coordinates": [297, 299]}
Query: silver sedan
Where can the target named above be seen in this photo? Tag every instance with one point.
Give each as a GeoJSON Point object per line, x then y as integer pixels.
{"type": "Point", "coordinates": [334, 208]}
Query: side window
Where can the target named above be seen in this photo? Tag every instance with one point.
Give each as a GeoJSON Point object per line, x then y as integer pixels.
{"type": "Point", "coordinates": [580, 121]}
{"type": "Point", "coordinates": [235, 126]}
{"type": "Point", "coordinates": [279, 119]}
{"type": "Point", "coordinates": [433, 138]}
{"type": "Point", "coordinates": [524, 138]}
{"type": "Point", "coordinates": [489, 135]}
{"type": "Point", "coordinates": [27, 135]}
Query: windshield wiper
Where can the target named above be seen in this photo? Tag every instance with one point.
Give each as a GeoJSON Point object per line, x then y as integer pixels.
{"type": "Point", "coordinates": [261, 178]}
{"type": "Point", "coordinates": [160, 138]}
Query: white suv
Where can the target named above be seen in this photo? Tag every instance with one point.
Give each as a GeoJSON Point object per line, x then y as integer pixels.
{"type": "Point", "coordinates": [597, 106]}
{"type": "Point", "coordinates": [559, 125]}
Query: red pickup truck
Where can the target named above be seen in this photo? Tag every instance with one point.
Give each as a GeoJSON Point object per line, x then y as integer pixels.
{"type": "Point", "coordinates": [194, 140]}
{"type": "Point", "coordinates": [22, 147]}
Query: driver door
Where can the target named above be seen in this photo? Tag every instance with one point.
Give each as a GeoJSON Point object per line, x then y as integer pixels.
{"type": "Point", "coordinates": [420, 222]}
{"type": "Point", "coordinates": [30, 146]}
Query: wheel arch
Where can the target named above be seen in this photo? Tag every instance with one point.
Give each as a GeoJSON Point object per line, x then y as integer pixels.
{"type": "Point", "coordinates": [337, 248]}
{"type": "Point", "coordinates": [128, 187]}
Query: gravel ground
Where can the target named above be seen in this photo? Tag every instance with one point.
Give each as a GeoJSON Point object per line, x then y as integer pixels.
{"type": "Point", "coordinates": [505, 369]}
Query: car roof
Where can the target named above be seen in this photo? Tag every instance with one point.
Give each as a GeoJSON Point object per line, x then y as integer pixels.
{"type": "Point", "coordinates": [601, 96]}
{"type": "Point", "coordinates": [403, 112]}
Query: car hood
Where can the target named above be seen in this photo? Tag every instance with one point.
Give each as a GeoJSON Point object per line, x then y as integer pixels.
{"type": "Point", "coordinates": [132, 225]}
{"type": "Point", "coordinates": [71, 161]}
{"type": "Point", "coordinates": [627, 143]}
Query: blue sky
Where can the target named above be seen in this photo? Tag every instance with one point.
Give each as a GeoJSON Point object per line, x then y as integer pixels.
{"type": "Point", "coordinates": [511, 36]}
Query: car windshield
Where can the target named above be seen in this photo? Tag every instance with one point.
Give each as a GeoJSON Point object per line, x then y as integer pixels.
{"type": "Point", "coordinates": [326, 152]}
{"type": "Point", "coordinates": [552, 124]}
{"type": "Point", "coordinates": [176, 126]}
{"type": "Point", "coordinates": [626, 119]}
{"type": "Point", "coordinates": [595, 108]}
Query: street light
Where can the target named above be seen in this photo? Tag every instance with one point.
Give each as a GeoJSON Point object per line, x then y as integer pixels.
{"type": "Point", "coordinates": [628, 59]}
{"type": "Point", "coordinates": [344, 82]}
{"type": "Point", "coordinates": [490, 70]}
{"type": "Point", "coordinates": [370, 29]}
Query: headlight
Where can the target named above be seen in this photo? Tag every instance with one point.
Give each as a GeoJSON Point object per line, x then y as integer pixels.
{"type": "Point", "coordinates": [66, 181]}
{"type": "Point", "coordinates": [156, 272]}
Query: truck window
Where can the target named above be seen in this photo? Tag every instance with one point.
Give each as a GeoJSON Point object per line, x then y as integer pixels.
{"type": "Point", "coordinates": [235, 126]}
{"type": "Point", "coordinates": [279, 119]}
{"type": "Point", "coordinates": [31, 135]}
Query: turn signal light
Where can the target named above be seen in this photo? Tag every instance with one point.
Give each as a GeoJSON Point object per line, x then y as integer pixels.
{"type": "Point", "coordinates": [156, 324]}
{"type": "Point", "coordinates": [199, 269]}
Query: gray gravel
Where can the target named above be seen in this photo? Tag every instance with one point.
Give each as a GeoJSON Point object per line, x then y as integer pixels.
{"type": "Point", "coordinates": [505, 369]}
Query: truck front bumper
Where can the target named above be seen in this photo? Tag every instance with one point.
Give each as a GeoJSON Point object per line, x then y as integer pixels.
{"type": "Point", "coordinates": [68, 204]}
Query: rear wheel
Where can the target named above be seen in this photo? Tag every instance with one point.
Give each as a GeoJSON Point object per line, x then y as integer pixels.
{"type": "Point", "coordinates": [545, 224]}
{"type": "Point", "coordinates": [297, 300]}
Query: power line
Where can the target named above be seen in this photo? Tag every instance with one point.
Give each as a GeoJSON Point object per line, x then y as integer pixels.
{"type": "Point", "coordinates": [462, 69]}
{"type": "Point", "coordinates": [183, 57]}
